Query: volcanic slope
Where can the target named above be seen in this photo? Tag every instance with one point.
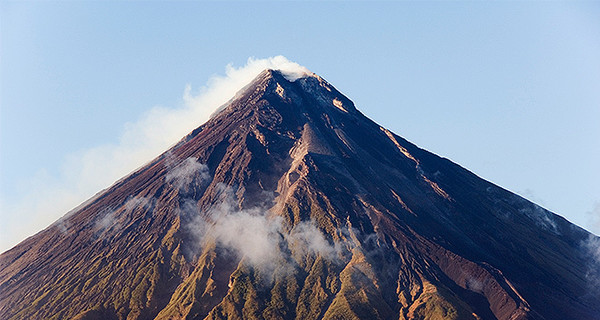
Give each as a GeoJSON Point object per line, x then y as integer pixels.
{"type": "Point", "coordinates": [291, 204]}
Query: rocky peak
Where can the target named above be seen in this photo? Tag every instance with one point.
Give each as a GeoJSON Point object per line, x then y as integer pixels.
{"type": "Point", "coordinates": [306, 91]}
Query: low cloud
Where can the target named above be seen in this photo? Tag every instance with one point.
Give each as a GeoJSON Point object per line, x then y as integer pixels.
{"type": "Point", "coordinates": [110, 219]}
{"type": "Point", "coordinates": [542, 217]}
{"type": "Point", "coordinates": [308, 239]}
{"type": "Point", "coordinates": [530, 195]}
{"type": "Point", "coordinates": [88, 171]}
{"type": "Point", "coordinates": [187, 173]}
{"type": "Point", "coordinates": [591, 248]}
{"type": "Point", "coordinates": [251, 235]}
{"type": "Point", "coordinates": [594, 219]}
{"type": "Point", "coordinates": [258, 237]}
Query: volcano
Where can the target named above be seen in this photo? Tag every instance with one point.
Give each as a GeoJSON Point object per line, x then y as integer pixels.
{"type": "Point", "coordinates": [289, 203]}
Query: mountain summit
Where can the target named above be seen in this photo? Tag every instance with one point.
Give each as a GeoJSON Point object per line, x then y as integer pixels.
{"type": "Point", "coordinates": [289, 203]}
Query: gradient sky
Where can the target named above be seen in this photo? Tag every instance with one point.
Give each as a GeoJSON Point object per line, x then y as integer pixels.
{"type": "Point", "coordinates": [509, 90]}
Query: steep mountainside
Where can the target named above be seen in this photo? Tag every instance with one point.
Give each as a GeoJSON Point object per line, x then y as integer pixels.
{"type": "Point", "coordinates": [291, 204]}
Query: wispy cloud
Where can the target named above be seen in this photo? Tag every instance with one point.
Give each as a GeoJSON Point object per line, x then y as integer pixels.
{"type": "Point", "coordinates": [594, 219]}
{"type": "Point", "coordinates": [109, 218]}
{"type": "Point", "coordinates": [88, 171]}
{"type": "Point", "coordinates": [591, 248]}
{"type": "Point", "coordinates": [542, 217]}
{"type": "Point", "coordinates": [260, 238]}
{"type": "Point", "coordinates": [187, 173]}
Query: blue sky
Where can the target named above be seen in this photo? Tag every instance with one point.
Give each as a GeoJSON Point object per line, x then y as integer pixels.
{"type": "Point", "coordinates": [509, 90]}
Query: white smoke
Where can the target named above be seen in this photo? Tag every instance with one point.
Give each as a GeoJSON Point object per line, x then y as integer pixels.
{"type": "Point", "coordinates": [88, 171]}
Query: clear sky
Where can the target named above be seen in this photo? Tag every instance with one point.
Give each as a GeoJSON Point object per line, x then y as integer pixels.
{"type": "Point", "coordinates": [509, 90]}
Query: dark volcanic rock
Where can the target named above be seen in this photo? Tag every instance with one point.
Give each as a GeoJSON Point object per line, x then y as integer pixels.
{"type": "Point", "coordinates": [363, 225]}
